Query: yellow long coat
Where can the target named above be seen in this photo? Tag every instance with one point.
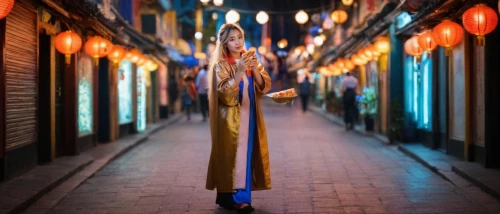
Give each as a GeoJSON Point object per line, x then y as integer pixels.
{"type": "Point", "coordinates": [224, 127]}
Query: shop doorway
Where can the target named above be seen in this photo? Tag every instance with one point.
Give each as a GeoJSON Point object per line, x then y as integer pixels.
{"type": "Point", "coordinates": [50, 104]}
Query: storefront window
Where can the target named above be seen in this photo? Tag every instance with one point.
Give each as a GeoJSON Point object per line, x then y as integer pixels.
{"type": "Point", "coordinates": [125, 92]}
{"type": "Point", "coordinates": [141, 99]}
{"type": "Point", "coordinates": [85, 102]}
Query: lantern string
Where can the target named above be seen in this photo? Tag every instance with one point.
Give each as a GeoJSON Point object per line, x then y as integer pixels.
{"type": "Point", "coordinates": [225, 9]}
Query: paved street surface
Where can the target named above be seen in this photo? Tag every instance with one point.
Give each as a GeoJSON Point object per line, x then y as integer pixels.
{"type": "Point", "coordinates": [317, 167]}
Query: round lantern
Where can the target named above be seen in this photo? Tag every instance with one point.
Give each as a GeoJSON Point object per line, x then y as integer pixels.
{"type": "Point", "coordinates": [349, 65]}
{"type": "Point", "coordinates": [133, 55]}
{"type": "Point", "coordinates": [480, 20]}
{"type": "Point", "coordinates": [339, 16]}
{"type": "Point", "coordinates": [262, 49]}
{"type": "Point", "coordinates": [150, 65]}
{"type": "Point", "coordinates": [142, 59]}
{"type": "Point", "coordinates": [117, 54]}
{"type": "Point", "coordinates": [68, 43]}
{"type": "Point", "coordinates": [301, 17]}
{"type": "Point", "coordinates": [5, 8]}
{"type": "Point", "coordinates": [412, 47]}
{"type": "Point", "coordinates": [426, 41]}
{"type": "Point", "coordinates": [262, 17]}
{"type": "Point", "coordinates": [232, 16]}
{"type": "Point", "coordinates": [347, 2]}
{"type": "Point", "coordinates": [366, 54]}
{"type": "Point", "coordinates": [283, 43]}
{"type": "Point", "coordinates": [358, 60]}
{"type": "Point", "coordinates": [448, 34]}
{"type": "Point", "coordinates": [382, 44]}
{"type": "Point", "coordinates": [218, 2]}
{"type": "Point", "coordinates": [318, 41]}
{"type": "Point", "coordinates": [98, 47]}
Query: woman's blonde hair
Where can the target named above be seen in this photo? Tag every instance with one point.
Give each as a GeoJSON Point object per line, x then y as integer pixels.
{"type": "Point", "coordinates": [220, 50]}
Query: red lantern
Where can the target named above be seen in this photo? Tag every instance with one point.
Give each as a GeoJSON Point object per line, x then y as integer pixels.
{"type": "Point", "coordinates": [117, 54]}
{"type": "Point", "coordinates": [68, 43]}
{"type": "Point", "coordinates": [480, 20]}
{"type": "Point", "coordinates": [426, 41]}
{"type": "Point", "coordinates": [98, 47]}
{"type": "Point", "coordinates": [5, 7]}
{"type": "Point", "coordinates": [412, 47]}
{"type": "Point", "coordinates": [133, 55]}
{"type": "Point", "coordinates": [448, 34]}
{"type": "Point", "coordinates": [349, 65]}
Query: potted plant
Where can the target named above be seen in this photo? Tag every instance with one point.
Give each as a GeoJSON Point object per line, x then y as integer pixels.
{"type": "Point", "coordinates": [367, 104]}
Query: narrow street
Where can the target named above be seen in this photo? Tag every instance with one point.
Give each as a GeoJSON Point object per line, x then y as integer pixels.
{"type": "Point", "coordinates": [317, 167]}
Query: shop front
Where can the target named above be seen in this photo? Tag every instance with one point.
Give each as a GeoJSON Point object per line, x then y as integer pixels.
{"type": "Point", "coordinates": [125, 98]}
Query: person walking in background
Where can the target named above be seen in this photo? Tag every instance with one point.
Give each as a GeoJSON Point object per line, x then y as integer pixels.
{"type": "Point", "coordinates": [202, 87]}
{"type": "Point", "coordinates": [188, 95]}
{"type": "Point", "coordinates": [304, 91]}
{"type": "Point", "coordinates": [348, 86]}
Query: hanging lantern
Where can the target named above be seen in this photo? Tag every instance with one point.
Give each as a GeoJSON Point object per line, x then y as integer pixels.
{"type": "Point", "coordinates": [262, 50]}
{"type": "Point", "coordinates": [366, 54]}
{"type": "Point", "coordinates": [374, 52]}
{"type": "Point", "coordinates": [150, 65]}
{"type": "Point", "coordinates": [142, 59]}
{"type": "Point", "coordinates": [301, 17]}
{"type": "Point", "coordinates": [283, 43]}
{"type": "Point", "coordinates": [347, 2]}
{"type": "Point", "coordinates": [349, 65]}
{"type": "Point", "coordinates": [480, 20]}
{"type": "Point", "coordinates": [232, 17]}
{"type": "Point", "coordinates": [117, 54]}
{"type": "Point", "coordinates": [98, 47]}
{"type": "Point", "coordinates": [412, 47]}
{"type": "Point", "coordinates": [358, 60]}
{"type": "Point", "coordinates": [5, 8]}
{"type": "Point", "coordinates": [204, 1]}
{"type": "Point", "coordinates": [218, 2]}
{"type": "Point", "coordinates": [339, 16]}
{"type": "Point", "coordinates": [426, 41]}
{"type": "Point", "coordinates": [318, 41]}
{"type": "Point", "coordinates": [133, 55]}
{"type": "Point", "coordinates": [68, 43]}
{"type": "Point", "coordinates": [382, 44]}
{"type": "Point", "coordinates": [448, 34]}
{"type": "Point", "coordinates": [262, 17]}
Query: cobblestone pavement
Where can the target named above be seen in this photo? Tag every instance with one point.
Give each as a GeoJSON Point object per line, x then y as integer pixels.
{"type": "Point", "coordinates": [317, 167]}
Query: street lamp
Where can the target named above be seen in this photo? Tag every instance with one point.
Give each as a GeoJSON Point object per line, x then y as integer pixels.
{"type": "Point", "coordinates": [262, 17]}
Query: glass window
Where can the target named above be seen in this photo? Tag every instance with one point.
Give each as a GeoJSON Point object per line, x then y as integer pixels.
{"type": "Point", "coordinates": [125, 92]}
{"type": "Point", "coordinates": [141, 99]}
{"type": "Point", "coordinates": [85, 102]}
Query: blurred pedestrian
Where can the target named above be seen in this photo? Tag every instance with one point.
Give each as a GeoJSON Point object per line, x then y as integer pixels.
{"type": "Point", "coordinates": [348, 87]}
{"type": "Point", "coordinates": [305, 90]}
{"type": "Point", "coordinates": [188, 95]}
{"type": "Point", "coordinates": [239, 161]}
{"type": "Point", "coordinates": [202, 87]}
